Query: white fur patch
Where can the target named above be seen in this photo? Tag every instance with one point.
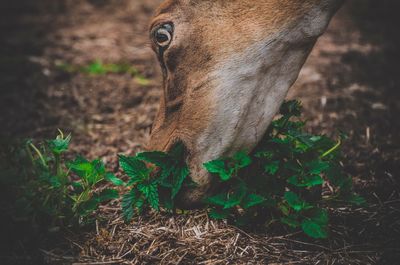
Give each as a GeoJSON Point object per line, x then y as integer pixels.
{"type": "Point", "coordinates": [252, 85]}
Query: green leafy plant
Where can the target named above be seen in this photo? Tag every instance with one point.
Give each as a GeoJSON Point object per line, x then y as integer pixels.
{"type": "Point", "coordinates": [155, 178]}
{"type": "Point", "coordinates": [97, 67]}
{"type": "Point", "coordinates": [281, 181]}
{"type": "Point", "coordinates": [85, 196]}
{"type": "Point", "coordinates": [284, 180]}
{"type": "Point", "coordinates": [51, 190]}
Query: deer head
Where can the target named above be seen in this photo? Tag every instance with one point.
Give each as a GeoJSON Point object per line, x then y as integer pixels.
{"type": "Point", "coordinates": [227, 66]}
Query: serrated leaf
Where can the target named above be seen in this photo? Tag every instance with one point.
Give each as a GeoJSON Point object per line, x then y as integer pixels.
{"type": "Point", "coordinates": [252, 200]}
{"type": "Point", "coordinates": [218, 199]}
{"type": "Point", "coordinates": [60, 144]}
{"type": "Point", "coordinates": [218, 167]}
{"type": "Point", "coordinates": [272, 167]}
{"type": "Point", "coordinates": [134, 168]}
{"type": "Point", "coordinates": [159, 159]}
{"type": "Point", "coordinates": [127, 203]}
{"type": "Point", "coordinates": [314, 229]}
{"type": "Point", "coordinates": [113, 179]}
{"type": "Point", "coordinates": [139, 204]}
{"type": "Point", "coordinates": [150, 191]}
{"type": "Point", "coordinates": [178, 175]}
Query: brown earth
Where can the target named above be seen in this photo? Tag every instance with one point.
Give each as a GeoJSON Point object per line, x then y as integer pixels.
{"type": "Point", "coordinates": [350, 82]}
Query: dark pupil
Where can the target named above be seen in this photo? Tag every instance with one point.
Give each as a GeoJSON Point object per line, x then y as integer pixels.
{"type": "Point", "coordinates": [161, 37]}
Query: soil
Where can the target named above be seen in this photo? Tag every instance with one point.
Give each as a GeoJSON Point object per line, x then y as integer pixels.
{"type": "Point", "coordinates": [350, 82]}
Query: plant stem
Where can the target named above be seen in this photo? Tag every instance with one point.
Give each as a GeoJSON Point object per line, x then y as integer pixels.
{"type": "Point", "coordinates": [59, 171]}
{"type": "Point", "coordinates": [39, 154]}
{"type": "Point", "coordinates": [332, 149]}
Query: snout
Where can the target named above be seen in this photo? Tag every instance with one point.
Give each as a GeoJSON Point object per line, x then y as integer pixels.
{"type": "Point", "coordinates": [192, 196]}
{"type": "Point", "coordinates": [199, 186]}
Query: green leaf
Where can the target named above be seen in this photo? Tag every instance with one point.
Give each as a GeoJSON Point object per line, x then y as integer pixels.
{"type": "Point", "coordinates": [252, 200]}
{"type": "Point", "coordinates": [235, 198]}
{"type": "Point", "coordinates": [179, 175]}
{"type": "Point", "coordinates": [97, 174]}
{"type": "Point", "coordinates": [218, 199]}
{"type": "Point", "coordinates": [139, 204]}
{"type": "Point", "coordinates": [60, 144]}
{"type": "Point", "coordinates": [160, 159]}
{"type": "Point", "coordinates": [215, 166]}
{"type": "Point", "coordinates": [81, 166]}
{"type": "Point", "coordinates": [134, 168]}
{"type": "Point", "coordinates": [295, 202]}
{"type": "Point", "coordinates": [88, 207]}
{"type": "Point", "coordinates": [218, 167]}
{"type": "Point", "coordinates": [320, 216]}
{"type": "Point", "coordinates": [127, 203]}
{"type": "Point", "coordinates": [219, 214]}
{"type": "Point", "coordinates": [241, 159]}
{"type": "Point", "coordinates": [150, 191]}
{"type": "Point", "coordinates": [92, 172]}
{"type": "Point", "coordinates": [272, 167]}
{"type": "Point", "coordinates": [316, 167]}
{"type": "Point", "coordinates": [113, 179]}
{"type": "Point", "coordinates": [313, 229]}
{"type": "Point", "coordinates": [356, 200]}
{"type": "Point", "coordinates": [306, 181]}
{"type": "Point", "coordinates": [106, 195]}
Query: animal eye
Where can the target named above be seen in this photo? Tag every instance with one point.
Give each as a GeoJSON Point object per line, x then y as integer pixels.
{"type": "Point", "coordinates": [163, 35]}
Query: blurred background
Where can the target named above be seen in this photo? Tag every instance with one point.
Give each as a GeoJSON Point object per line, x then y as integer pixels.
{"type": "Point", "coordinates": [86, 67]}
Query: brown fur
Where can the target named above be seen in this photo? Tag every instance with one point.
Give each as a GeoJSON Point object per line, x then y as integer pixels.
{"type": "Point", "coordinates": [208, 32]}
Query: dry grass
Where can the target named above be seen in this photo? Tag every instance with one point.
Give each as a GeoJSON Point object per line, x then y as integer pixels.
{"type": "Point", "coordinates": [193, 238]}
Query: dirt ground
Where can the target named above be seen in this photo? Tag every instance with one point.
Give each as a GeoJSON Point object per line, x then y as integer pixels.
{"type": "Point", "coordinates": [351, 82]}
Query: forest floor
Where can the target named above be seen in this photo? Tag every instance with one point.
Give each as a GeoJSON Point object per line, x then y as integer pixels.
{"type": "Point", "coordinates": [350, 82]}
